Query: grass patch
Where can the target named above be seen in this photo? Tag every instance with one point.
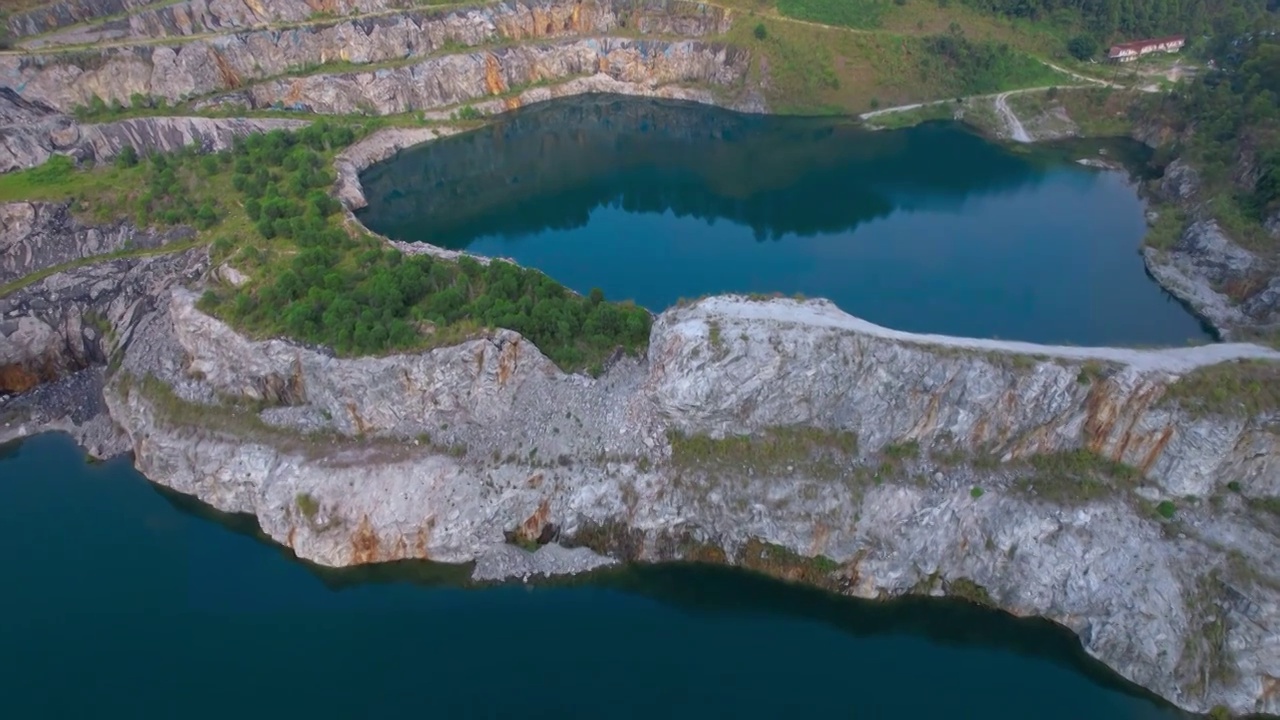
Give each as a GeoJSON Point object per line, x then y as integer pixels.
{"type": "Point", "coordinates": [967, 589]}
{"type": "Point", "coordinates": [976, 492]}
{"type": "Point", "coordinates": [807, 451]}
{"type": "Point", "coordinates": [1076, 477]}
{"type": "Point", "coordinates": [1241, 388]}
{"type": "Point", "coordinates": [1206, 656]}
{"type": "Point", "coordinates": [1166, 509]}
{"type": "Point", "coordinates": [307, 505]}
{"type": "Point", "coordinates": [863, 14]}
{"type": "Point", "coordinates": [1099, 111]}
{"type": "Point", "coordinates": [779, 562]}
{"type": "Point", "coordinates": [1167, 229]}
{"type": "Point", "coordinates": [813, 69]}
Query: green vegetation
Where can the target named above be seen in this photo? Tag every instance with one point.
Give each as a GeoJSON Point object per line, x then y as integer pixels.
{"type": "Point", "coordinates": [967, 589]}
{"type": "Point", "coordinates": [976, 492]}
{"type": "Point", "coordinates": [1244, 388]}
{"type": "Point", "coordinates": [864, 14]}
{"type": "Point", "coordinates": [1227, 119]}
{"type": "Point", "coordinates": [307, 505]}
{"type": "Point", "coordinates": [983, 67]}
{"type": "Point", "coordinates": [813, 69]}
{"type": "Point", "coordinates": [782, 563]}
{"type": "Point", "coordinates": [800, 450]}
{"type": "Point", "coordinates": [318, 282]}
{"type": "Point", "coordinates": [1127, 19]}
{"type": "Point", "coordinates": [1166, 509]}
{"type": "Point", "coordinates": [1082, 47]}
{"type": "Point", "coordinates": [897, 452]}
{"type": "Point", "coordinates": [1076, 477]}
{"type": "Point", "coordinates": [1206, 653]}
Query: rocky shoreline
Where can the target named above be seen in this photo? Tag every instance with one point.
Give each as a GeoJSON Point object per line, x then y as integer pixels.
{"type": "Point", "coordinates": [455, 454]}
{"type": "Point", "coordinates": [1025, 477]}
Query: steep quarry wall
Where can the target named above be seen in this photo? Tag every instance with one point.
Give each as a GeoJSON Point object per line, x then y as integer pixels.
{"type": "Point", "coordinates": [61, 13]}
{"type": "Point", "coordinates": [455, 79]}
{"type": "Point", "coordinates": [72, 320]}
{"type": "Point", "coordinates": [203, 66]}
{"type": "Point", "coordinates": [39, 235]}
{"type": "Point", "coordinates": [510, 446]}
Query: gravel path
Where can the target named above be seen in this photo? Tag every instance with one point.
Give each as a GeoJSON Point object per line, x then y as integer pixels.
{"type": "Point", "coordinates": [822, 313]}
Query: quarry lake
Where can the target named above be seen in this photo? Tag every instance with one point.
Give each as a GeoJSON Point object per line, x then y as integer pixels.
{"type": "Point", "coordinates": [122, 601]}
{"type": "Point", "coordinates": [931, 229]}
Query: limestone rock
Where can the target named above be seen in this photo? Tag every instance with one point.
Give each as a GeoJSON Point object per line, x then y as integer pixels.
{"type": "Point", "coordinates": [31, 133]}
{"type": "Point", "coordinates": [1180, 182]}
{"type": "Point", "coordinates": [230, 61]}
{"type": "Point", "coordinates": [39, 235]}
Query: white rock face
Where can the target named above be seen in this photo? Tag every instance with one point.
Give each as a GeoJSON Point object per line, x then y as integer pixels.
{"type": "Point", "coordinates": [1138, 592]}
{"type": "Point", "coordinates": [519, 448]}
{"type": "Point", "coordinates": [202, 66]}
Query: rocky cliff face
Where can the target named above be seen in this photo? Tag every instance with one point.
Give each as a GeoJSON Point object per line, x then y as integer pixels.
{"type": "Point", "coordinates": [456, 79]}
{"type": "Point", "coordinates": [75, 319]}
{"type": "Point", "coordinates": [47, 18]}
{"type": "Point", "coordinates": [205, 66]}
{"type": "Point", "coordinates": [506, 445]}
{"type": "Point", "coordinates": [31, 133]}
{"type": "Point", "coordinates": [35, 236]}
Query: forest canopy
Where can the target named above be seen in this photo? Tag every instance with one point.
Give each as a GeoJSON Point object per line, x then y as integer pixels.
{"type": "Point", "coordinates": [1134, 19]}
{"type": "Point", "coordinates": [322, 283]}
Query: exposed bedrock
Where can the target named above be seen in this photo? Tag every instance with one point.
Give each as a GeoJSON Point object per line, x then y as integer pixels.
{"type": "Point", "coordinates": [31, 133]}
{"type": "Point", "coordinates": [208, 65]}
{"type": "Point", "coordinates": [74, 319]}
{"type": "Point", "coordinates": [495, 443]}
{"type": "Point", "coordinates": [39, 235]}
{"type": "Point", "coordinates": [456, 79]}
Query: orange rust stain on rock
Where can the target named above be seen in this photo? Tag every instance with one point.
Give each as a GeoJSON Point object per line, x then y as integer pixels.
{"type": "Point", "coordinates": [575, 18]}
{"type": "Point", "coordinates": [535, 481]}
{"type": "Point", "coordinates": [532, 526]}
{"type": "Point", "coordinates": [364, 543]}
{"type": "Point", "coordinates": [401, 549]}
{"type": "Point", "coordinates": [603, 64]}
{"type": "Point", "coordinates": [229, 76]}
{"type": "Point", "coordinates": [819, 545]}
{"type": "Point", "coordinates": [420, 540]}
{"type": "Point", "coordinates": [294, 94]}
{"type": "Point", "coordinates": [980, 430]}
{"type": "Point", "coordinates": [16, 379]}
{"type": "Point", "coordinates": [1104, 413]}
{"type": "Point", "coordinates": [512, 103]}
{"type": "Point", "coordinates": [1156, 450]}
{"type": "Point", "coordinates": [293, 531]}
{"type": "Point", "coordinates": [493, 75]}
{"type": "Point", "coordinates": [1270, 686]}
{"type": "Point", "coordinates": [507, 361]}
{"type": "Point", "coordinates": [356, 419]}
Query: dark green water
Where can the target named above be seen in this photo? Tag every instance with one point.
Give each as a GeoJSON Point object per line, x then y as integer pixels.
{"type": "Point", "coordinates": [123, 602]}
{"type": "Point", "coordinates": [931, 229]}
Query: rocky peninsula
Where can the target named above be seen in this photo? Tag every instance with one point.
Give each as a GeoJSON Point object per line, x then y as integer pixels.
{"type": "Point", "coordinates": [1114, 491]}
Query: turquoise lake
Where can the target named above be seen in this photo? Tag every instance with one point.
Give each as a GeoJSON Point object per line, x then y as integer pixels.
{"type": "Point", "coordinates": [930, 229]}
{"type": "Point", "coordinates": [121, 601]}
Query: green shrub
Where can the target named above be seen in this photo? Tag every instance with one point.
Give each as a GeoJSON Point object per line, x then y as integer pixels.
{"type": "Point", "coordinates": [976, 492]}
{"type": "Point", "coordinates": [1166, 509]}
{"type": "Point", "coordinates": [761, 32]}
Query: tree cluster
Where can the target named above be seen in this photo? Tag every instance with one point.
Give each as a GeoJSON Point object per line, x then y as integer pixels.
{"type": "Point", "coordinates": [171, 185]}
{"type": "Point", "coordinates": [1231, 119]}
{"type": "Point", "coordinates": [354, 295]}
{"type": "Point", "coordinates": [1113, 20]}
